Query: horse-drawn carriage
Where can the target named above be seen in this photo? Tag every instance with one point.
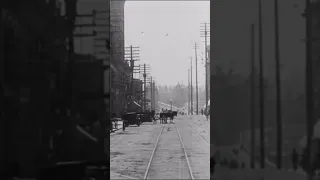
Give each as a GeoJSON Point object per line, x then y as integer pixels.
{"type": "Point", "coordinates": [147, 116]}
{"type": "Point", "coordinates": [167, 114]}
{"type": "Point", "coordinates": [131, 118]}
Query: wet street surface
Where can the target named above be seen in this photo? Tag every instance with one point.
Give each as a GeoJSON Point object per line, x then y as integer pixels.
{"type": "Point", "coordinates": [182, 150]}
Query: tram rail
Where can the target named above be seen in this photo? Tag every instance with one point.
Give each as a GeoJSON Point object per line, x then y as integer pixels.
{"type": "Point", "coordinates": [156, 147]}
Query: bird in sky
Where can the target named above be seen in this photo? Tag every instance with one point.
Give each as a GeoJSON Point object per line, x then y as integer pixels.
{"type": "Point", "coordinates": [167, 34]}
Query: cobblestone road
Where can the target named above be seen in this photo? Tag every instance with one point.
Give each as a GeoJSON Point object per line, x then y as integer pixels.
{"type": "Point", "coordinates": [130, 151]}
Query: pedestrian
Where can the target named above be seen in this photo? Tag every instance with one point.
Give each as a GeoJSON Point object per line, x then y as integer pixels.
{"type": "Point", "coordinates": [201, 111]}
{"type": "Point", "coordinates": [295, 159]}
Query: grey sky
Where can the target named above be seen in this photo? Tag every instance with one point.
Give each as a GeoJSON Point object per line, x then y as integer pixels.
{"type": "Point", "coordinates": [167, 55]}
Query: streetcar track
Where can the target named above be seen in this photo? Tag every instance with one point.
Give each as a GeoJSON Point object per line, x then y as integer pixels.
{"type": "Point", "coordinates": [199, 135]}
{"type": "Point", "coordinates": [154, 150]}
{"type": "Point", "coordinates": [156, 146]}
{"type": "Point", "coordinates": [185, 153]}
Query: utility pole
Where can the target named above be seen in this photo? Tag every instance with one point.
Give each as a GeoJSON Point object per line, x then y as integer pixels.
{"type": "Point", "coordinates": [252, 158]}
{"type": "Point", "coordinates": [262, 154]}
{"type": "Point", "coordinates": [206, 35]}
{"type": "Point", "coordinates": [278, 86]}
{"type": "Point", "coordinates": [144, 73]}
{"type": "Point", "coordinates": [197, 98]}
{"type": "Point", "coordinates": [149, 89]}
{"type": "Point", "coordinates": [310, 118]}
{"type": "Point", "coordinates": [144, 87]}
{"type": "Point", "coordinates": [191, 87]}
{"type": "Point", "coordinates": [154, 95]}
{"type": "Point", "coordinates": [133, 56]}
{"type": "Point", "coordinates": [151, 94]}
{"type": "Point", "coordinates": [188, 91]}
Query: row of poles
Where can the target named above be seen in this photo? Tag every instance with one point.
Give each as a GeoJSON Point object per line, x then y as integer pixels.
{"type": "Point", "coordinates": [133, 55]}
{"type": "Point", "coordinates": [309, 87]}
{"type": "Point", "coordinates": [205, 34]}
{"type": "Point", "coordinates": [261, 93]}
{"type": "Point", "coordinates": [152, 87]}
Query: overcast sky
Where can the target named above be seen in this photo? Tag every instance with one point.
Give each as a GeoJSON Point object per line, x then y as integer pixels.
{"type": "Point", "coordinates": [167, 55]}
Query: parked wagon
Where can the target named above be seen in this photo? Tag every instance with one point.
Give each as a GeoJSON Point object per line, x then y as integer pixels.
{"type": "Point", "coordinates": [175, 113]}
{"type": "Point", "coordinates": [145, 116]}
{"type": "Point", "coordinates": [131, 118]}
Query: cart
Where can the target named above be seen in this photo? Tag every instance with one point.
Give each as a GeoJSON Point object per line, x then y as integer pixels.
{"type": "Point", "coordinates": [130, 118]}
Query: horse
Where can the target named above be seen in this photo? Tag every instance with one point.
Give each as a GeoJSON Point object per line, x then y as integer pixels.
{"type": "Point", "coordinates": [162, 118]}
{"type": "Point", "coordinates": [170, 115]}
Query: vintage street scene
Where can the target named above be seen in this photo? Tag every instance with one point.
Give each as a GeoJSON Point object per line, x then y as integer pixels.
{"type": "Point", "coordinates": [160, 96]}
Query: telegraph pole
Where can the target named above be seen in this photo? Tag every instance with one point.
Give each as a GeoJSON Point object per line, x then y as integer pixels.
{"type": "Point", "coordinates": [262, 154]}
{"type": "Point", "coordinates": [154, 95]}
{"type": "Point", "coordinates": [252, 158]}
{"type": "Point", "coordinates": [278, 86]}
{"type": "Point", "coordinates": [188, 91]}
{"type": "Point", "coordinates": [144, 84]}
{"type": "Point", "coordinates": [144, 87]}
{"type": "Point", "coordinates": [310, 118]}
{"type": "Point", "coordinates": [149, 89]}
{"type": "Point", "coordinates": [133, 56]}
{"type": "Point", "coordinates": [191, 87]}
{"type": "Point", "coordinates": [197, 99]}
{"type": "Point", "coordinates": [151, 94]}
{"type": "Point", "coordinates": [206, 35]}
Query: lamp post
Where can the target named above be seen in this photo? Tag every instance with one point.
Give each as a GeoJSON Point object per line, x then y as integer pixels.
{"type": "Point", "coordinates": [171, 104]}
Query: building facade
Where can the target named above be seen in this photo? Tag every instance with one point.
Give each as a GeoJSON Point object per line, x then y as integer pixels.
{"type": "Point", "coordinates": [137, 89]}
{"type": "Point", "coordinates": [121, 72]}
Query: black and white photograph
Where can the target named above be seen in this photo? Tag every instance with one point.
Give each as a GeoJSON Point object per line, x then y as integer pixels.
{"type": "Point", "coordinates": [160, 101]}
{"type": "Point", "coordinates": [159, 89]}
{"type": "Point", "coordinates": [264, 89]}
